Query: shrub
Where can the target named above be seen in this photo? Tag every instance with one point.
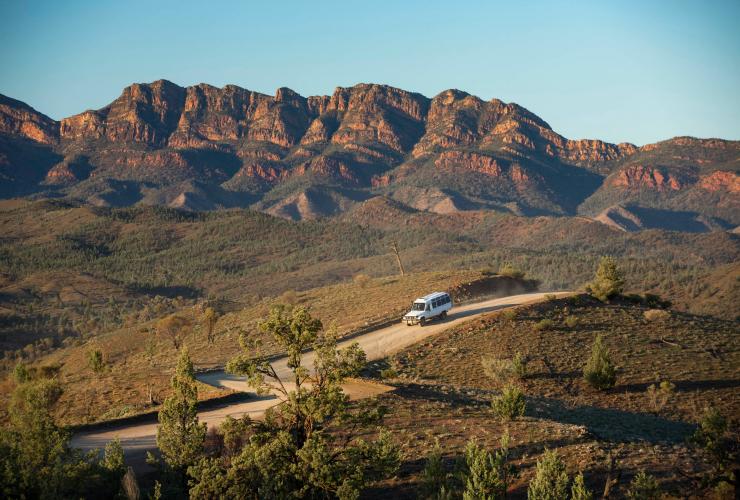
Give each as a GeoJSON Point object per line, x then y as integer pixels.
{"type": "Point", "coordinates": [714, 440]}
{"type": "Point", "coordinates": [658, 396]}
{"type": "Point", "coordinates": [551, 480]}
{"type": "Point", "coordinates": [653, 315]}
{"type": "Point", "coordinates": [499, 370]}
{"type": "Point", "coordinates": [21, 373]}
{"type": "Point", "coordinates": [389, 372]}
{"type": "Point", "coordinates": [571, 321]}
{"type": "Point", "coordinates": [510, 404]}
{"type": "Point", "coordinates": [95, 360]}
{"type": "Point", "coordinates": [578, 490]}
{"type": "Point", "coordinates": [435, 479]}
{"type": "Point", "coordinates": [510, 271]}
{"type": "Point", "coordinates": [599, 371]}
{"type": "Point", "coordinates": [644, 487]}
{"type": "Point", "coordinates": [608, 281]}
{"type": "Point", "coordinates": [543, 324]}
{"type": "Point", "coordinates": [508, 315]}
{"type": "Point", "coordinates": [519, 365]}
{"type": "Point", "coordinates": [551, 297]}
{"type": "Point", "coordinates": [486, 474]}
{"type": "Point", "coordinates": [361, 280]}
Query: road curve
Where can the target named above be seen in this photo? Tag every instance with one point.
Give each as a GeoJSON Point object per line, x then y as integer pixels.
{"type": "Point", "coordinates": [138, 438]}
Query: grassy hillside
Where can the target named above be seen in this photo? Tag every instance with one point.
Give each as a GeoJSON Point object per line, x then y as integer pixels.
{"type": "Point", "coordinates": [73, 272]}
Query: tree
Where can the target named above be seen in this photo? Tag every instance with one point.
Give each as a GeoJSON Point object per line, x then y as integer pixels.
{"type": "Point", "coordinates": [714, 440]}
{"type": "Point", "coordinates": [644, 487]}
{"type": "Point", "coordinates": [209, 319]}
{"type": "Point", "coordinates": [180, 436]}
{"type": "Point", "coordinates": [36, 460]}
{"type": "Point", "coordinates": [551, 480]}
{"type": "Point", "coordinates": [578, 490]}
{"type": "Point", "coordinates": [292, 453]}
{"type": "Point", "coordinates": [599, 371]}
{"type": "Point", "coordinates": [435, 479]}
{"type": "Point", "coordinates": [510, 404]}
{"type": "Point", "coordinates": [608, 281]}
{"type": "Point", "coordinates": [173, 327]}
{"type": "Point", "coordinates": [487, 474]}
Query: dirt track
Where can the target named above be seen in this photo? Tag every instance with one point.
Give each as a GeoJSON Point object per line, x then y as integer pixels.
{"type": "Point", "coordinates": [139, 438]}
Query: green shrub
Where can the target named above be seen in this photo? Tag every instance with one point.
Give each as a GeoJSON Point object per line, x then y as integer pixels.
{"type": "Point", "coordinates": [599, 371]}
{"type": "Point", "coordinates": [644, 487]}
{"type": "Point", "coordinates": [21, 373]}
{"type": "Point", "coordinates": [95, 360]}
{"type": "Point", "coordinates": [551, 297]}
{"type": "Point", "coordinates": [543, 324]}
{"type": "Point", "coordinates": [519, 365]}
{"type": "Point", "coordinates": [387, 373]}
{"type": "Point", "coordinates": [510, 404]}
{"type": "Point", "coordinates": [578, 490]}
{"type": "Point", "coordinates": [571, 321]}
{"type": "Point", "coordinates": [609, 280]}
{"type": "Point", "coordinates": [486, 474]}
{"type": "Point", "coordinates": [434, 477]}
{"type": "Point", "coordinates": [551, 480]}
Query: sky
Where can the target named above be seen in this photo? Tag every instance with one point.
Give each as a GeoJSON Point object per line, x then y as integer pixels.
{"type": "Point", "coordinates": [621, 71]}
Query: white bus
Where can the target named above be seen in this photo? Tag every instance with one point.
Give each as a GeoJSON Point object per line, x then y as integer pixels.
{"type": "Point", "coordinates": [424, 309]}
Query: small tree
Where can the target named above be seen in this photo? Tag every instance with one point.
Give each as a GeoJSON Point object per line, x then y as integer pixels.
{"type": "Point", "coordinates": [209, 320]}
{"type": "Point", "coordinates": [714, 440]}
{"type": "Point", "coordinates": [510, 404]}
{"type": "Point", "coordinates": [435, 479]}
{"type": "Point", "coordinates": [174, 328]}
{"type": "Point", "coordinates": [608, 281]}
{"type": "Point", "coordinates": [644, 487]}
{"type": "Point", "coordinates": [599, 371]}
{"type": "Point", "coordinates": [95, 360]}
{"type": "Point", "coordinates": [551, 480]}
{"type": "Point", "coordinates": [180, 435]}
{"type": "Point", "coordinates": [487, 474]}
{"type": "Point", "coordinates": [578, 490]}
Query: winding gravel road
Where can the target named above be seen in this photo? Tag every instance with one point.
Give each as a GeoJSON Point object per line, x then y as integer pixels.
{"type": "Point", "coordinates": [139, 438]}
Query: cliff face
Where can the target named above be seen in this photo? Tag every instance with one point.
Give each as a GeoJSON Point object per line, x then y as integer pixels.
{"type": "Point", "coordinates": [19, 119]}
{"type": "Point", "coordinates": [477, 154]}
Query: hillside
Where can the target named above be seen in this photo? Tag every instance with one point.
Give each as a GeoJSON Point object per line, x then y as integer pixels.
{"type": "Point", "coordinates": [206, 148]}
{"type": "Point", "coordinates": [441, 385]}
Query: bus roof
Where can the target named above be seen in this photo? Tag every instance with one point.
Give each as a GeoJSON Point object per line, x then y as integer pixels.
{"type": "Point", "coordinates": [431, 296]}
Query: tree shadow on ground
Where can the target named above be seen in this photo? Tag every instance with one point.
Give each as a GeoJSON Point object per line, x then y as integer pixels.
{"type": "Point", "coordinates": [608, 424]}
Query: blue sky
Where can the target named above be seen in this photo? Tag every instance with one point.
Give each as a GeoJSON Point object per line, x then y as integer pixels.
{"type": "Point", "coordinates": [636, 71]}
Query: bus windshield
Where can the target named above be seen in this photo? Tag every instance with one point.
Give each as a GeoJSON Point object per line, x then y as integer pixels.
{"type": "Point", "coordinates": [417, 306]}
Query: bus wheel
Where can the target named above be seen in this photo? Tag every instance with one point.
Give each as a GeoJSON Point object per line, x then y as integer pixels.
{"type": "Point", "coordinates": [422, 321]}
{"type": "Point", "coordinates": [443, 315]}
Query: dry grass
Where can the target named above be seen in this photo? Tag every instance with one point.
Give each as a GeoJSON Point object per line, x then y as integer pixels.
{"type": "Point", "coordinates": [139, 360]}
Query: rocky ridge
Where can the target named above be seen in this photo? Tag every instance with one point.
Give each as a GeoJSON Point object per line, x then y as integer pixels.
{"type": "Point", "coordinates": [297, 156]}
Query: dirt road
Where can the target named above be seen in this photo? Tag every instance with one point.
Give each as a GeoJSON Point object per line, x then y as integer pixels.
{"type": "Point", "coordinates": [141, 437]}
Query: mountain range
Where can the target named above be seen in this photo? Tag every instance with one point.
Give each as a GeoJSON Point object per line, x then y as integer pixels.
{"type": "Point", "coordinates": [204, 148]}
